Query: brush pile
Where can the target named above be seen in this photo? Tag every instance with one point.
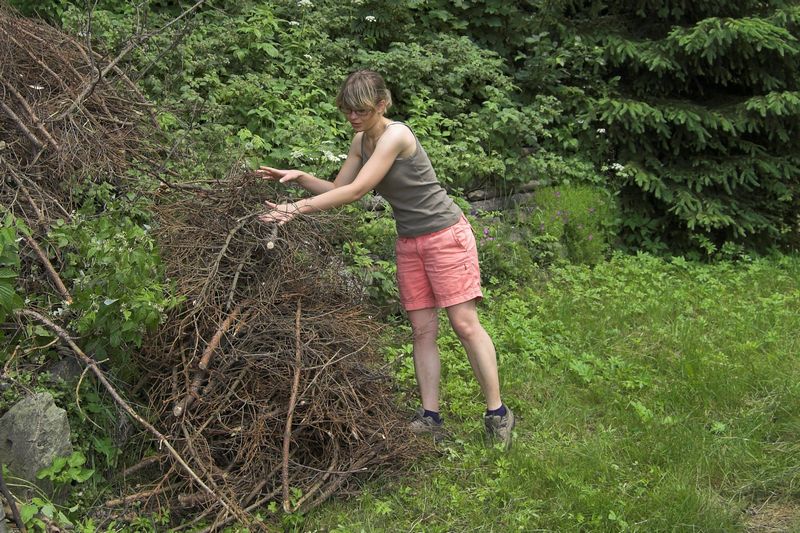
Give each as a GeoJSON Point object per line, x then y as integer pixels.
{"type": "Point", "coordinates": [264, 380]}
{"type": "Point", "coordinates": [269, 388]}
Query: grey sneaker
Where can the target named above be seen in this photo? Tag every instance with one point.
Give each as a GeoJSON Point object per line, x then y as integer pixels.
{"type": "Point", "coordinates": [499, 428]}
{"type": "Point", "coordinates": [422, 425]}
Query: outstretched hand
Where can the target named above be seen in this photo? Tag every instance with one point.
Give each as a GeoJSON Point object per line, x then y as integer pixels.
{"type": "Point", "coordinates": [279, 213]}
{"type": "Point", "coordinates": [279, 175]}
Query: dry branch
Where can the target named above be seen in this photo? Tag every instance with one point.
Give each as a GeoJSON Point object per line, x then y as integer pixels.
{"type": "Point", "coordinates": [38, 123]}
{"type": "Point", "coordinates": [223, 328]}
{"type": "Point", "coordinates": [89, 362]}
{"type": "Point", "coordinates": [287, 433]}
{"type": "Point", "coordinates": [62, 289]}
{"type": "Point", "coordinates": [21, 125]}
{"type": "Point", "coordinates": [11, 503]}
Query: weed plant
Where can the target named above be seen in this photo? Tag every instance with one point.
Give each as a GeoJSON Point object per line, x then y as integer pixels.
{"type": "Point", "coordinates": [652, 395]}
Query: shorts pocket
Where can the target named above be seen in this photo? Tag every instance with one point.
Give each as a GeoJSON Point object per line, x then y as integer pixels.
{"type": "Point", "coordinates": [462, 234]}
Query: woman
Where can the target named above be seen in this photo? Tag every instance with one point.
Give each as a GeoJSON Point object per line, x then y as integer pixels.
{"type": "Point", "coordinates": [437, 261]}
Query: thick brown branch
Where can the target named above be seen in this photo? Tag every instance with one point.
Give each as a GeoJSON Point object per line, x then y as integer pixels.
{"type": "Point", "coordinates": [215, 340]}
{"type": "Point", "coordinates": [21, 125]}
{"type": "Point", "coordinates": [50, 270]}
{"type": "Point", "coordinates": [11, 503]}
{"type": "Point", "coordinates": [35, 119]}
{"type": "Point", "coordinates": [162, 440]}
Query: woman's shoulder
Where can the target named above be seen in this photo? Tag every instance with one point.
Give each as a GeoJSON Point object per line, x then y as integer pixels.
{"type": "Point", "coordinates": [400, 133]}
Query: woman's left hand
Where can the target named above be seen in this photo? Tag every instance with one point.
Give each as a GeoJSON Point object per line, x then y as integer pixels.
{"type": "Point", "coordinates": [280, 213]}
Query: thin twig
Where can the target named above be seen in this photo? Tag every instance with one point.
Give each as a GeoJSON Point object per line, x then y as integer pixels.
{"type": "Point", "coordinates": [11, 503]}
{"type": "Point", "coordinates": [287, 433]}
{"type": "Point", "coordinates": [144, 463]}
{"type": "Point", "coordinates": [101, 74]}
{"type": "Point", "coordinates": [235, 281]}
{"type": "Point", "coordinates": [39, 215]}
{"type": "Point", "coordinates": [145, 494]}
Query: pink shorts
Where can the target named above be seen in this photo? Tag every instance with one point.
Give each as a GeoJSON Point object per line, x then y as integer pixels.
{"type": "Point", "coordinates": [438, 269]}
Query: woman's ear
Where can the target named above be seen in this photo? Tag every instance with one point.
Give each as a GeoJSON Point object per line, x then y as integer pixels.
{"type": "Point", "coordinates": [381, 107]}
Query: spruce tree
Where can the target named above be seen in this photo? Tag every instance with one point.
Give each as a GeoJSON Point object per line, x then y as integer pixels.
{"type": "Point", "coordinates": [703, 114]}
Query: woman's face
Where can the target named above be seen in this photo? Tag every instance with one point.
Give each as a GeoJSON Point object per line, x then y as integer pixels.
{"type": "Point", "coordinates": [364, 119]}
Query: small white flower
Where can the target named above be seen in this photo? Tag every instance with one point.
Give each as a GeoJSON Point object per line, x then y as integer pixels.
{"type": "Point", "coordinates": [601, 130]}
{"type": "Point", "coordinates": [342, 156]}
{"type": "Point", "coordinates": [308, 56]}
{"type": "Point", "coordinates": [294, 23]}
{"type": "Point", "coordinates": [297, 154]}
{"type": "Point", "coordinates": [370, 18]}
{"type": "Point", "coordinates": [305, 3]}
{"type": "Point", "coordinates": [617, 167]}
{"type": "Point", "coordinates": [358, 2]}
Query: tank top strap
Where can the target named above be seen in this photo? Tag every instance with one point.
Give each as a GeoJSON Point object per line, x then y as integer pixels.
{"type": "Point", "coordinates": [364, 156]}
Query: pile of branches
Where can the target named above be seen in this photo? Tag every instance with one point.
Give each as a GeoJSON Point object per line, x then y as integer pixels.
{"type": "Point", "coordinates": [271, 391]}
{"type": "Point", "coordinates": [263, 384]}
{"type": "Point", "coordinates": [64, 118]}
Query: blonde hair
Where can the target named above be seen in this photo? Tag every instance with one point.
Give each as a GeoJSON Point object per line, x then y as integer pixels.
{"type": "Point", "coordinates": [363, 89]}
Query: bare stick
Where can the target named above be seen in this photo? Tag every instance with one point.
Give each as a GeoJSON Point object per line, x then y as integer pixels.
{"type": "Point", "coordinates": [215, 267]}
{"type": "Point", "coordinates": [145, 494]}
{"type": "Point", "coordinates": [194, 389]}
{"type": "Point", "coordinates": [39, 215]}
{"type": "Point", "coordinates": [205, 359]}
{"type": "Point", "coordinates": [11, 502]}
{"type": "Point", "coordinates": [32, 114]}
{"type": "Point", "coordinates": [287, 433]}
{"type": "Point", "coordinates": [28, 133]}
{"type": "Point", "coordinates": [209, 351]}
{"type": "Point", "coordinates": [235, 281]}
{"type": "Point", "coordinates": [88, 361]}
{"type": "Point", "coordinates": [144, 463]}
{"type": "Point", "coordinates": [50, 270]}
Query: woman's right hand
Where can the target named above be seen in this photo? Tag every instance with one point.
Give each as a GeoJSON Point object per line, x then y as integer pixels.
{"type": "Point", "coordinates": [281, 176]}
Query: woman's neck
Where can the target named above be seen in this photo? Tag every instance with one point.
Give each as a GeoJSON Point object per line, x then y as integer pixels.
{"type": "Point", "coordinates": [374, 132]}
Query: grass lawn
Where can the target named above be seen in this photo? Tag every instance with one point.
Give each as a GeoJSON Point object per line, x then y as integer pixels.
{"type": "Point", "coordinates": [651, 395]}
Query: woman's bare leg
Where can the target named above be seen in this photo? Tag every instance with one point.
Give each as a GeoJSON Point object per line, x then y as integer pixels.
{"type": "Point", "coordinates": [425, 328]}
{"type": "Point", "coordinates": [480, 349]}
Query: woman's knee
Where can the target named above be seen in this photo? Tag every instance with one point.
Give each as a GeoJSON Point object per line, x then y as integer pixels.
{"type": "Point", "coordinates": [466, 326]}
{"type": "Point", "coordinates": [424, 325]}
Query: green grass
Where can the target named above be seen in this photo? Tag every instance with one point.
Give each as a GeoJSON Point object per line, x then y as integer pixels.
{"type": "Point", "coordinates": [652, 395]}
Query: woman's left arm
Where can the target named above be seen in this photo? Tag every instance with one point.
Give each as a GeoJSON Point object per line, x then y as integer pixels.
{"type": "Point", "coordinates": [389, 147]}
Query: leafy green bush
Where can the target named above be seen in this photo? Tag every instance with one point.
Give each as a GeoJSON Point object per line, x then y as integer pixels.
{"type": "Point", "coordinates": [9, 265]}
{"type": "Point", "coordinates": [368, 253]}
{"type": "Point", "coordinates": [582, 218]}
{"type": "Point", "coordinates": [113, 271]}
{"type": "Point", "coordinates": [509, 249]}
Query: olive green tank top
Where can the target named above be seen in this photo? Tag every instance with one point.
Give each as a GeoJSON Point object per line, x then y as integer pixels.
{"type": "Point", "coordinates": [420, 204]}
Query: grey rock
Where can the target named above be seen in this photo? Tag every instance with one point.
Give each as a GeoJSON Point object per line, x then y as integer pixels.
{"type": "Point", "coordinates": [66, 369]}
{"type": "Point", "coordinates": [33, 433]}
{"type": "Point", "coordinates": [2, 518]}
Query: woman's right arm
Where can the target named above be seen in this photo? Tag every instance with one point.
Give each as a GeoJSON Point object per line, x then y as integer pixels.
{"type": "Point", "coordinates": [313, 184]}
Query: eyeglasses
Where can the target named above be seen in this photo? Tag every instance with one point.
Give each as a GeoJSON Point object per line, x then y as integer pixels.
{"type": "Point", "coordinates": [361, 113]}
